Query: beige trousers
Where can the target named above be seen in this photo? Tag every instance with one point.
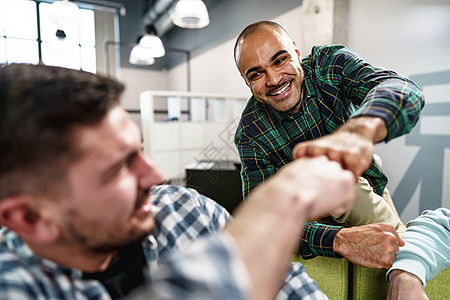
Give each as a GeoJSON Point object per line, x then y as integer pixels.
{"type": "Point", "coordinates": [370, 208]}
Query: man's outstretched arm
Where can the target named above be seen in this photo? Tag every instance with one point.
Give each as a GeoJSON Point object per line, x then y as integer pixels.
{"type": "Point", "coordinates": [267, 225]}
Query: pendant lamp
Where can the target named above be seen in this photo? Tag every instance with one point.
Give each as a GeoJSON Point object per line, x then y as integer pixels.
{"type": "Point", "coordinates": [190, 14]}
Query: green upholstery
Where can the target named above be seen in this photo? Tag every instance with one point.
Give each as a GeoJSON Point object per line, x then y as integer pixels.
{"type": "Point", "coordinates": [338, 282]}
{"type": "Point", "coordinates": [439, 287]}
{"type": "Point", "coordinates": [369, 284]}
{"type": "Point", "coordinates": [331, 275]}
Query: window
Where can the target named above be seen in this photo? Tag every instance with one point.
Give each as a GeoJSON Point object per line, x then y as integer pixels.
{"type": "Point", "coordinates": [18, 29]}
{"type": "Point", "coordinates": [58, 37]}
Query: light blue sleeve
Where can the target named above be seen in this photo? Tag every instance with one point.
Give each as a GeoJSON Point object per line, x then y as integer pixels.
{"type": "Point", "coordinates": [427, 249]}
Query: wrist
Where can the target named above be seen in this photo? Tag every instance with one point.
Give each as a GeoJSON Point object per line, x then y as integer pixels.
{"type": "Point", "coordinates": [372, 128]}
{"type": "Point", "coordinates": [337, 242]}
{"type": "Point", "coordinates": [398, 274]}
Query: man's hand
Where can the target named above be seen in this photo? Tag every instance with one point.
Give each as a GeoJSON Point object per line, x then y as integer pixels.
{"type": "Point", "coordinates": [352, 145]}
{"type": "Point", "coordinates": [404, 286]}
{"type": "Point", "coordinates": [323, 184]}
{"type": "Point", "coordinates": [370, 246]}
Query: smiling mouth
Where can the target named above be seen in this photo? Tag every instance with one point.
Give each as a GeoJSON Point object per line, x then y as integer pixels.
{"type": "Point", "coordinates": [282, 90]}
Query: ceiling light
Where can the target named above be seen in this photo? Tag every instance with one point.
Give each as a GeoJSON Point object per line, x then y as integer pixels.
{"type": "Point", "coordinates": [139, 56]}
{"type": "Point", "coordinates": [153, 45]}
{"type": "Point", "coordinates": [190, 14]}
{"type": "Point", "coordinates": [149, 47]}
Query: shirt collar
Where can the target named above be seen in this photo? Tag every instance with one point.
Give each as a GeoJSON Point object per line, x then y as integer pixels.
{"type": "Point", "coordinates": [274, 114]}
{"type": "Point", "coordinates": [10, 240]}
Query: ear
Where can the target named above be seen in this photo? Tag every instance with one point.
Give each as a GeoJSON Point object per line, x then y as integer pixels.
{"type": "Point", "coordinates": [297, 51]}
{"type": "Point", "coordinates": [23, 215]}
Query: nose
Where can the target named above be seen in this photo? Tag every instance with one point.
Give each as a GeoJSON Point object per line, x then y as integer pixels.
{"type": "Point", "coordinates": [273, 77]}
{"type": "Point", "coordinates": [149, 174]}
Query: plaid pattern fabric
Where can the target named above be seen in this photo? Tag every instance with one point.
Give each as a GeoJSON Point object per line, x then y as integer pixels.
{"type": "Point", "coordinates": [206, 270]}
{"type": "Point", "coordinates": [26, 276]}
{"type": "Point", "coordinates": [210, 268]}
{"type": "Point", "coordinates": [339, 85]}
{"type": "Point", "coordinates": [318, 240]}
{"type": "Point", "coordinates": [300, 286]}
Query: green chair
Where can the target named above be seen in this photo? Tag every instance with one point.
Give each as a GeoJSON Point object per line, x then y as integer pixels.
{"type": "Point", "coordinates": [331, 275]}
{"type": "Point", "coordinates": [339, 279]}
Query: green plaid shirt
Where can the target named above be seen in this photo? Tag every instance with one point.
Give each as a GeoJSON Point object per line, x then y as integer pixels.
{"type": "Point", "coordinates": [339, 85]}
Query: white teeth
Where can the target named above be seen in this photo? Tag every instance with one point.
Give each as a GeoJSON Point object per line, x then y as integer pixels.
{"type": "Point", "coordinates": [282, 90]}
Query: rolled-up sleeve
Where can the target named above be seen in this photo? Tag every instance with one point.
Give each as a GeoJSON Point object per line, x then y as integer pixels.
{"type": "Point", "coordinates": [427, 245]}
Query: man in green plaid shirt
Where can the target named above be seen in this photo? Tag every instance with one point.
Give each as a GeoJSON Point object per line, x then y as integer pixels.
{"type": "Point", "coordinates": [329, 103]}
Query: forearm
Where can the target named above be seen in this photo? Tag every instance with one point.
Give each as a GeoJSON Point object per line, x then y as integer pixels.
{"type": "Point", "coordinates": [372, 129]}
{"type": "Point", "coordinates": [267, 226]}
{"type": "Point", "coordinates": [397, 101]}
{"type": "Point", "coordinates": [265, 234]}
{"type": "Point", "coordinates": [404, 286]}
{"type": "Point", "coordinates": [378, 92]}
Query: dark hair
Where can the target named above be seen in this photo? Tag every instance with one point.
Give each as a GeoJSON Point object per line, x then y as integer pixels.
{"type": "Point", "coordinates": [252, 28]}
{"type": "Point", "coordinates": [40, 106]}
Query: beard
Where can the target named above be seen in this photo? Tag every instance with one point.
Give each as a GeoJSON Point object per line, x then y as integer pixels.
{"type": "Point", "coordinates": [297, 103]}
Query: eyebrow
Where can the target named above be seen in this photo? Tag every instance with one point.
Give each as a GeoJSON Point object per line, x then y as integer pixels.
{"type": "Point", "coordinates": [273, 58]}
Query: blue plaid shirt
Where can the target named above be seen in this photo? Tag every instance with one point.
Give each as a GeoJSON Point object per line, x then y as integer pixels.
{"type": "Point", "coordinates": [208, 269]}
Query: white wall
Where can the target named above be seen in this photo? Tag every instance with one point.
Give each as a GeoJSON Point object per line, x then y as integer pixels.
{"type": "Point", "coordinates": [412, 37]}
{"type": "Point", "coordinates": [137, 81]}
{"type": "Point", "coordinates": [211, 72]}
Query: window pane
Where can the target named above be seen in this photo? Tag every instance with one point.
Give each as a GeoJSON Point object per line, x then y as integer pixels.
{"type": "Point", "coordinates": [21, 51]}
{"type": "Point", "coordinates": [2, 17]}
{"type": "Point", "coordinates": [2, 50]}
{"type": "Point", "coordinates": [87, 29]}
{"type": "Point", "coordinates": [88, 61]}
{"type": "Point", "coordinates": [61, 53]}
{"type": "Point", "coordinates": [53, 18]}
{"type": "Point", "coordinates": [20, 19]}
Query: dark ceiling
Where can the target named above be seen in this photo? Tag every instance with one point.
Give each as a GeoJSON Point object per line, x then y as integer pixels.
{"type": "Point", "coordinates": [228, 18]}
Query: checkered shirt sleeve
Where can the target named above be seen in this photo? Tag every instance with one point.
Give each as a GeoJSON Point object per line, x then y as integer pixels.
{"type": "Point", "coordinates": [197, 262]}
{"type": "Point", "coordinates": [208, 269]}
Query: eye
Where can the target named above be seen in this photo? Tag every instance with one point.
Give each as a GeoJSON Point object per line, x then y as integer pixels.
{"type": "Point", "coordinates": [280, 61]}
{"type": "Point", "coordinates": [120, 168]}
{"type": "Point", "coordinates": [126, 164]}
{"type": "Point", "coordinates": [130, 159]}
{"type": "Point", "coordinates": [254, 75]}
